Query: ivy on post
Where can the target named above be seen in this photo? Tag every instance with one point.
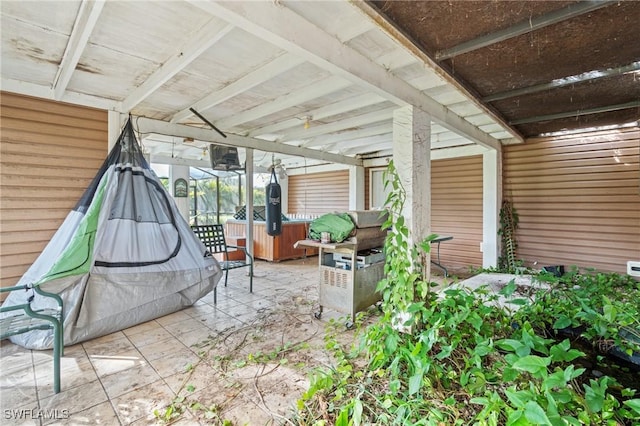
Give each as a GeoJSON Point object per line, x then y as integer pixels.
{"type": "Point", "coordinates": [405, 289]}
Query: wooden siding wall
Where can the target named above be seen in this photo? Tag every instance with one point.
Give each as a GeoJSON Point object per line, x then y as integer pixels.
{"type": "Point", "coordinates": [578, 199]}
{"type": "Point", "coordinates": [49, 152]}
{"type": "Point", "coordinates": [456, 207]}
{"type": "Point", "coordinates": [318, 193]}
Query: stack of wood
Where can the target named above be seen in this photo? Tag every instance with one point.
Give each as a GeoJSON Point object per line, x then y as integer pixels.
{"type": "Point", "coordinates": [368, 232]}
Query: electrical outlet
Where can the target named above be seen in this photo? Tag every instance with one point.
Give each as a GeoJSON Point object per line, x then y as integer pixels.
{"type": "Point", "coordinates": [633, 268]}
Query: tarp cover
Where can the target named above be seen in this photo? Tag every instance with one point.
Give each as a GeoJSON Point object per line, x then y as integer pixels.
{"type": "Point", "coordinates": [124, 255]}
{"type": "Point", "coordinates": [338, 225]}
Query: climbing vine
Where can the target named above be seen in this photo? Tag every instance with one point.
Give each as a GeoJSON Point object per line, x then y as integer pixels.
{"type": "Point", "coordinates": [508, 226]}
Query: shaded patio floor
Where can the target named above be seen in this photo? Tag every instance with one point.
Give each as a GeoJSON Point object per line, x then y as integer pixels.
{"type": "Point", "coordinates": [245, 359]}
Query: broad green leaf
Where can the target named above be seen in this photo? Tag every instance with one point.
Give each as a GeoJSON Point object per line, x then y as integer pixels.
{"type": "Point", "coordinates": [555, 380]}
{"type": "Point", "coordinates": [563, 321]}
{"type": "Point", "coordinates": [532, 364]}
{"type": "Point", "coordinates": [343, 418]}
{"type": "Point", "coordinates": [535, 414]}
{"type": "Point", "coordinates": [415, 382]}
{"type": "Point", "coordinates": [509, 374]}
{"type": "Point", "coordinates": [634, 404]}
{"type": "Point", "coordinates": [518, 398]}
{"type": "Point", "coordinates": [517, 418]}
{"type": "Point", "coordinates": [357, 412]}
{"type": "Point", "coordinates": [481, 400]}
{"type": "Point", "coordinates": [508, 289]}
{"type": "Point", "coordinates": [594, 396]}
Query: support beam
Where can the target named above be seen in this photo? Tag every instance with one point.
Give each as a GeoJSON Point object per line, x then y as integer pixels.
{"type": "Point", "coordinates": [86, 20]}
{"type": "Point", "coordinates": [523, 27]}
{"type": "Point", "coordinates": [148, 125]}
{"type": "Point", "coordinates": [276, 24]}
{"type": "Point", "coordinates": [565, 81]}
{"type": "Point", "coordinates": [356, 188]}
{"type": "Point", "coordinates": [249, 199]}
{"type": "Point", "coordinates": [491, 200]}
{"type": "Point", "coordinates": [412, 158]}
{"type": "Point", "coordinates": [202, 40]}
{"type": "Point", "coordinates": [548, 117]}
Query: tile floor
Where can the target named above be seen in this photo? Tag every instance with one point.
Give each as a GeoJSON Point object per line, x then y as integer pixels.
{"type": "Point", "coordinates": [201, 359]}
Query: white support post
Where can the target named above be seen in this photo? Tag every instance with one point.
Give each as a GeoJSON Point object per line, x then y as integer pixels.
{"type": "Point", "coordinates": [491, 200]}
{"type": "Point", "coordinates": [412, 158]}
{"type": "Point", "coordinates": [284, 196]}
{"type": "Point", "coordinates": [248, 195]}
{"type": "Point", "coordinates": [114, 127]}
{"type": "Point", "coordinates": [356, 188]}
{"type": "Point", "coordinates": [180, 172]}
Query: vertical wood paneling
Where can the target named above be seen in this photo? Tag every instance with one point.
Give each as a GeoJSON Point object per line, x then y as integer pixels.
{"type": "Point", "coordinates": [578, 199]}
{"type": "Point", "coordinates": [318, 193]}
{"type": "Point", "coordinates": [456, 210]}
{"type": "Point", "coordinates": [49, 152]}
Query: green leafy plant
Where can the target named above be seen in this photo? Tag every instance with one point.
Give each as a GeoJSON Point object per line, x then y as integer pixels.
{"type": "Point", "coordinates": [470, 361]}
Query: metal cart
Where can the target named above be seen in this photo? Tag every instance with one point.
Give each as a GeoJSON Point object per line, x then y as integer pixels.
{"type": "Point", "coordinates": [347, 281]}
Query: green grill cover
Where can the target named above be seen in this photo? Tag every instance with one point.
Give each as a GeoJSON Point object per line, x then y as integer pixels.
{"type": "Point", "coordinates": [339, 225]}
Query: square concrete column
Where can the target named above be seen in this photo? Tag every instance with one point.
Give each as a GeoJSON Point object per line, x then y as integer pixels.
{"type": "Point", "coordinates": [412, 158]}
{"type": "Point", "coordinates": [356, 188]}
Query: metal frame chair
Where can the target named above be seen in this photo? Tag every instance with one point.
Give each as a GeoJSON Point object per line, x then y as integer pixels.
{"type": "Point", "coordinates": [212, 236]}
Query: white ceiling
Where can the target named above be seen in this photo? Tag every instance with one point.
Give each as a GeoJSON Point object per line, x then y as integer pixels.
{"type": "Point", "coordinates": [257, 70]}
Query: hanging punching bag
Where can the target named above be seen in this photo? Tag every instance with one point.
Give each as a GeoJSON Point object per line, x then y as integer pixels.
{"type": "Point", "coordinates": [273, 209]}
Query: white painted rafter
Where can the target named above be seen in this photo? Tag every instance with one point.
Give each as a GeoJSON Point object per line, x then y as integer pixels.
{"type": "Point", "coordinates": [336, 108]}
{"type": "Point", "coordinates": [351, 135]}
{"type": "Point", "coordinates": [200, 41]}
{"type": "Point", "coordinates": [322, 88]}
{"type": "Point", "coordinates": [280, 26]}
{"type": "Point", "coordinates": [360, 120]}
{"type": "Point", "coordinates": [277, 66]}
{"type": "Point", "coordinates": [148, 125]}
{"type": "Point", "coordinates": [85, 22]}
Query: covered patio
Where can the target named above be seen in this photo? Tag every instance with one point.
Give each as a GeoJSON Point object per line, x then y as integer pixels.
{"type": "Point", "coordinates": [245, 359]}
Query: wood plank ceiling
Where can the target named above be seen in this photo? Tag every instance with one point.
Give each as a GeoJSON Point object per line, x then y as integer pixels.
{"type": "Point", "coordinates": [321, 79]}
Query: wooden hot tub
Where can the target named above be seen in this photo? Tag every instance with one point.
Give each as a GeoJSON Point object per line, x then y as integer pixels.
{"type": "Point", "coordinates": [273, 249]}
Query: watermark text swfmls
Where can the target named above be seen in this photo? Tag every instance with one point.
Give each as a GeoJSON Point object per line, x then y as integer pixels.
{"type": "Point", "coordinates": [35, 413]}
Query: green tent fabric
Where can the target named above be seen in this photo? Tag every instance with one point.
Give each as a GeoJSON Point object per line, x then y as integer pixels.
{"type": "Point", "coordinates": [338, 225]}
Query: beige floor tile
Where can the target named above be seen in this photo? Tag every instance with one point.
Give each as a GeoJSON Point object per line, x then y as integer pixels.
{"type": "Point", "coordinates": [160, 348]}
{"type": "Point", "coordinates": [18, 386]}
{"type": "Point", "coordinates": [141, 403]}
{"type": "Point", "coordinates": [142, 328]}
{"type": "Point", "coordinates": [149, 336]}
{"type": "Point", "coordinates": [196, 337]}
{"type": "Point", "coordinates": [131, 379]}
{"type": "Point", "coordinates": [172, 318]}
{"type": "Point", "coordinates": [74, 371]}
{"type": "Point", "coordinates": [22, 415]}
{"type": "Point", "coordinates": [76, 399]}
{"type": "Point", "coordinates": [174, 362]}
{"type": "Point", "coordinates": [109, 364]}
{"type": "Point", "coordinates": [187, 382]}
{"type": "Point", "coordinates": [110, 344]}
{"type": "Point", "coordinates": [101, 414]}
{"type": "Point", "coordinates": [179, 328]}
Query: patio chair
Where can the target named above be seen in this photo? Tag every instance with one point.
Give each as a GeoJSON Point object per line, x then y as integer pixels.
{"type": "Point", "coordinates": [25, 318]}
{"type": "Point", "coordinates": [212, 236]}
